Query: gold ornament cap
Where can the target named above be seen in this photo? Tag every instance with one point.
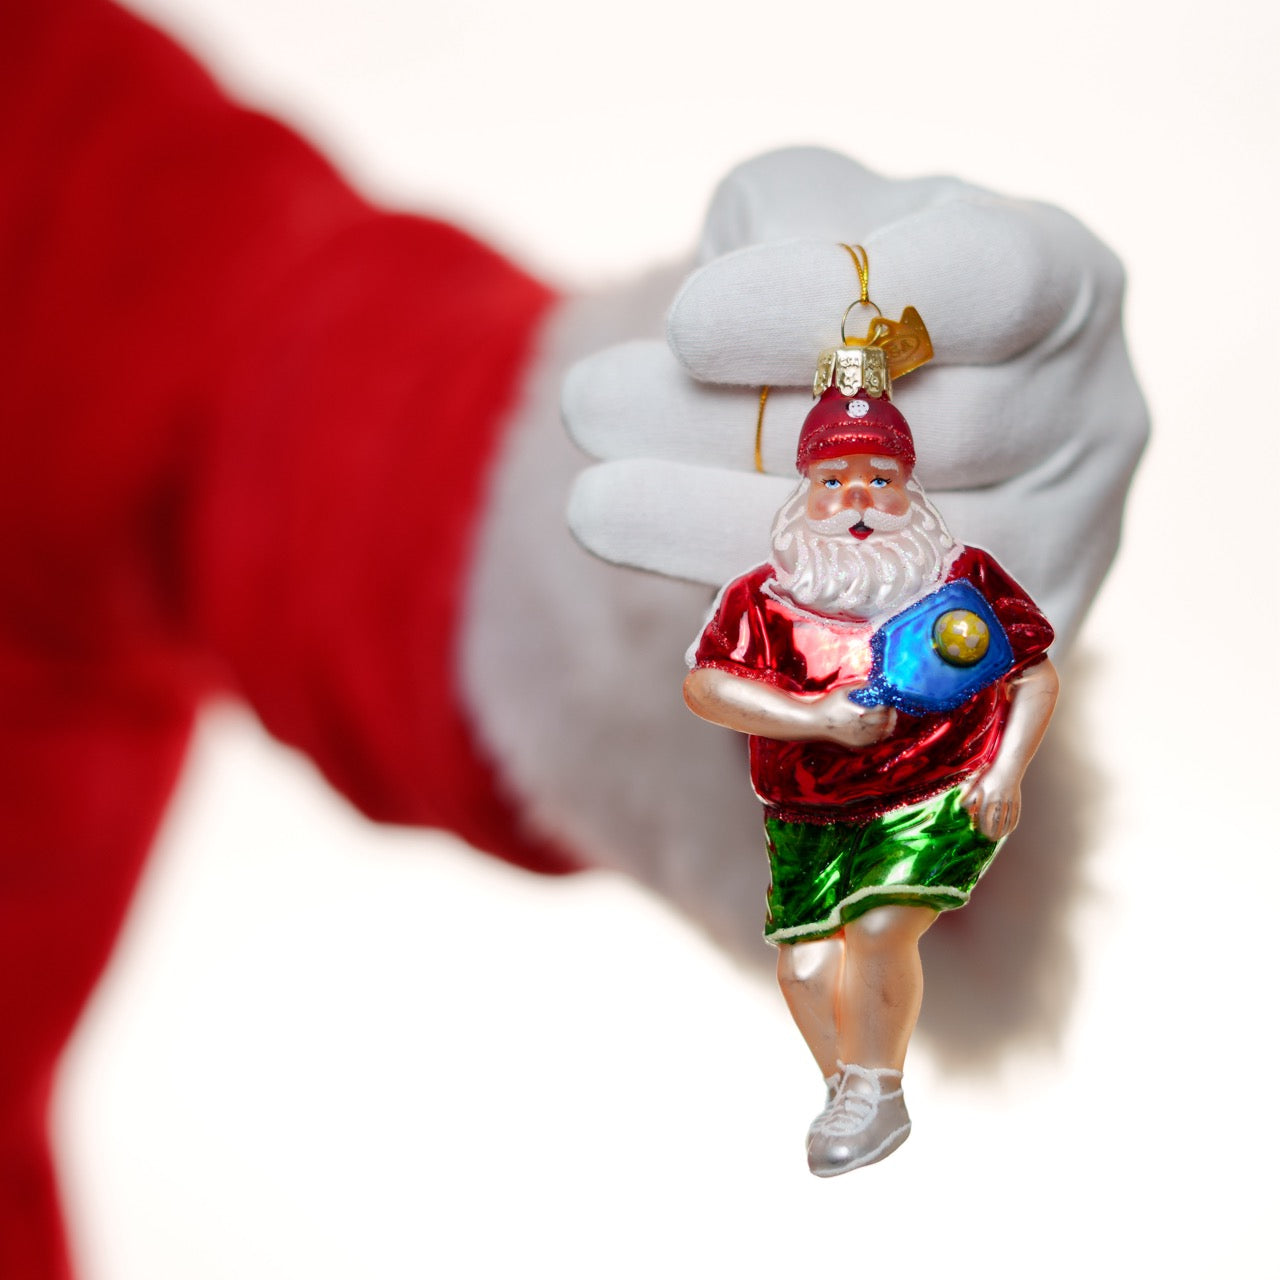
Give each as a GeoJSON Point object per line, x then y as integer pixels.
{"type": "Point", "coordinates": [854, 369]}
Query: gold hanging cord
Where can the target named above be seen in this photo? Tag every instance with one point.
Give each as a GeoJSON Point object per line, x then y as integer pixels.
{"type": "Point", "coordinates": [862, 266]}
{"type": "Point", "coordinates": [764, 395]}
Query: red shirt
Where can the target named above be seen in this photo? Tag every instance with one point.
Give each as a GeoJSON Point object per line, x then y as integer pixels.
{"type": "Point", "coordinates": [757, 634]}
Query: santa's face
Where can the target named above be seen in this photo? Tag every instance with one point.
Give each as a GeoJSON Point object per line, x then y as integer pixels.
{"type": "Point", "coordinates": [858, 538]}
{"type": "Point", "coordinates": [857, 494]}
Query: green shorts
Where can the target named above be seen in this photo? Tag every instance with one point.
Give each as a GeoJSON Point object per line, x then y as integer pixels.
{"type": "Point", "coordinates": [824, 875]}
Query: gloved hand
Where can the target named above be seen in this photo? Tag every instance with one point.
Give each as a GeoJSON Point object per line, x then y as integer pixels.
{"type": "Point", "coordinates": [1028, 424]}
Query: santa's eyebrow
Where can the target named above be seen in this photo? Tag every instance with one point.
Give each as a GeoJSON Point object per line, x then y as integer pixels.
{"type": "Point", "coordinates": [885, 464]}
{"type": "Point", "coordinates": [835, 464]}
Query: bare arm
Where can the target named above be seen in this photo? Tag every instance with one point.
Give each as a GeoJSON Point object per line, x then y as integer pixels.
{"type": "Point", "coordinates": [752, 706]}
{"type": "Point", "coordinates": [994, 796]}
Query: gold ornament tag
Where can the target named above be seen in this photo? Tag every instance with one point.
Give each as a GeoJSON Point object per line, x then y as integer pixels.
{"type": "Point", "coordinates": [906, 343]}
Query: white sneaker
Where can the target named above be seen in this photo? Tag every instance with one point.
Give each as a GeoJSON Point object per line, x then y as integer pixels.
{"type": "Point", "coordinates": [865, 1121]}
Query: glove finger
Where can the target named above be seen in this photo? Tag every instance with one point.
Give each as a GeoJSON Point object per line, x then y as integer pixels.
{"type": "Point", "coordinates": [634, 400]}
{"type": "Point", "coordinates": [683, 521]}
{"type": "Point", "coordinates": [810, 192]}
{"type": "Point", "coordinates": [992, 279]}
{"type": "Point", "coordinates": [974, 425]}
{"type": "Point", "coordinates": [978, 426]}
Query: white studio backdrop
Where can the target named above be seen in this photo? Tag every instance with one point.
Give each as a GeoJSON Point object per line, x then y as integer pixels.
{"type": "Point", "coordinates": [301, 1066]}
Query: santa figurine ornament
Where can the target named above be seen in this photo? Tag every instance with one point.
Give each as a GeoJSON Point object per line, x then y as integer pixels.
{"type": "Point", "coordinates": [893, 685]}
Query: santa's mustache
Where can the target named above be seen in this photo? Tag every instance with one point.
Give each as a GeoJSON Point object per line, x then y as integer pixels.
{"type": "Point", "coordinates": [838, 525]}
{"type": "Point", "coordinates": [820, 565]}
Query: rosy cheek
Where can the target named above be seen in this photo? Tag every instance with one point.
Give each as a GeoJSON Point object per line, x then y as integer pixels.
{"type": "Point", "coordinates": [821, 503]}
{"type": "Point", "coordinates": [894, 502]}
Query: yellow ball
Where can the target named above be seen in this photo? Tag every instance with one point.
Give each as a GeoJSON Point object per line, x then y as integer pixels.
{"type": "Point", "coordinates": [961, 637]}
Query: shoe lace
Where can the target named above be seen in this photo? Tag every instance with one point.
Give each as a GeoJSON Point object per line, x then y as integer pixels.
{"type": "Point", "coordinates": [851, 1108]}
{"type": "Point", "coordinates": [849, 1111]}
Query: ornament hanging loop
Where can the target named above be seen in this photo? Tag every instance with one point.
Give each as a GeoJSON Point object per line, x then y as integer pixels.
{"type": "Point", "coordinates": [844, 321]}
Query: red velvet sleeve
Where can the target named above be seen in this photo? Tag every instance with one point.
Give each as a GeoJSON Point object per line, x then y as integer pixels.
{"type": "Point", "coordinates": [248, 417]}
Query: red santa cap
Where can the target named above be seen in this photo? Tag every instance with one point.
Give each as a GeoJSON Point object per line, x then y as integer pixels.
{"type": "Point", "coordinates": [840, 424]}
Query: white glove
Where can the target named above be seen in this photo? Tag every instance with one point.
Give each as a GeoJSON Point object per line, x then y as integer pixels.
{"type": "Point", "coordinates": [1028, 424]}
{"type": "Point", "coordinates": [571, 668]}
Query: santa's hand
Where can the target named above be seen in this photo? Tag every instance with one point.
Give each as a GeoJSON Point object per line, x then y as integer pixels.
{"type": "Point", "coordinates": [993, 800]}
{"type": "Point", "coordinates": [1028, 424]}
{"type": "Point", "coordinates": [849, 723]}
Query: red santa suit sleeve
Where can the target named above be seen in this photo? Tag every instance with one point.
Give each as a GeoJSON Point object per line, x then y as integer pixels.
{"type": "Point", "coordinates": [247, 420]}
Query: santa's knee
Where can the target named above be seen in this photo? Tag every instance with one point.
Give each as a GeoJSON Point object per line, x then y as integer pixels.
{"type": "Point", "coordinates": [888, 928]}
{"type": "Point", "coordinates": [807, 965]}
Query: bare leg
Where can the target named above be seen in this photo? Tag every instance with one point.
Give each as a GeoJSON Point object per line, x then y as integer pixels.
{"type": "Point", "coordinates": [809, 975]}
{"type": "Point", "coordinates": [882, 985]}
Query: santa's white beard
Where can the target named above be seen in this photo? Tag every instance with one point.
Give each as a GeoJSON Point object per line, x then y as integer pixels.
{"type": "Point", "coordinates": [838, 574]}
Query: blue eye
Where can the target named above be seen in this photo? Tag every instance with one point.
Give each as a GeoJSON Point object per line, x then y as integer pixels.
{"type": "Point", "coordinates": [879, 482]}
{"type": "Point", "coordinates": [831, 482]}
